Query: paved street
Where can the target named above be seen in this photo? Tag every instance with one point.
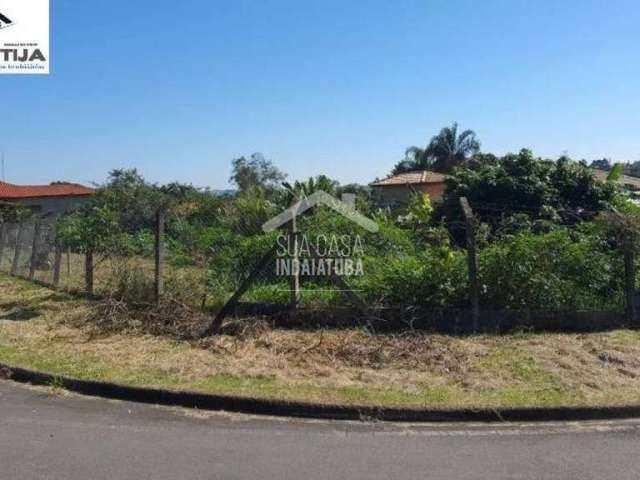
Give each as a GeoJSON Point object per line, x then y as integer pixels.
{"type": "Point", "coordinates": [60, 436]}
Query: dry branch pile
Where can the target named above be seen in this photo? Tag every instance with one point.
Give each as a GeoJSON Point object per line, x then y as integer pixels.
{"type": "Point", "coordinates": [351, 348]}
{"type": "Point", "coordinates": [171, 318]}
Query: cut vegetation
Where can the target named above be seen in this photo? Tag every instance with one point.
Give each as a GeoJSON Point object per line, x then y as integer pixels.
{"type": "Point", "coordinates": [53, 332]}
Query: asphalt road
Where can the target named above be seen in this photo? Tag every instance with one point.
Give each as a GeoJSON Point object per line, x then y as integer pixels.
{"type": "Point", "coordinates": [44, 435]}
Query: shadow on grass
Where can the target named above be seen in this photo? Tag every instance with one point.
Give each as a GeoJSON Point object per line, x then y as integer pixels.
{"type": "Point", "coordinates": [22, 310]}
{"type": "Point", "coordinates": [57, 297]}
{"type": "Point", "coordinates": [21, 314]}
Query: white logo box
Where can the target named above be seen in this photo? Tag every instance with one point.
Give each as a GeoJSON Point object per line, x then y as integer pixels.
{"type": "Point", "coordinates": [24, 37]}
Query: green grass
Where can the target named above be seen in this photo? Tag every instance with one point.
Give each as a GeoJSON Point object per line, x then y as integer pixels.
{"type": "Point", "coordinates": [511, 371]}
{"type": "Point", "coordinates": [536, 388]}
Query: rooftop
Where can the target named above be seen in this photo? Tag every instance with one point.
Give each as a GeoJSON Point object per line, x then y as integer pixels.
{"type": "Point", "coordinates": [418, 177]}
{"type": "Point", "coordinates": [9, 191]}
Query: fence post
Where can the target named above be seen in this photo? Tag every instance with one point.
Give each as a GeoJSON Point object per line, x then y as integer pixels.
{"type": "Point", "coordinates": [88, 271]}
{"type": "Point", "coordinates": [294, 279]}
{"type": "Point", "coordinates": [474, 288]}
{"type": "Point", "coordinates": [3, 229]}
{"type": "Point", "coordinates": [159, 254]}
{"type": "Point", "coordinates": [56, 265]}
{"type": "Point", "coordinates": [18, 248]}
{"type": "Point", "coordinates": [34, 249]}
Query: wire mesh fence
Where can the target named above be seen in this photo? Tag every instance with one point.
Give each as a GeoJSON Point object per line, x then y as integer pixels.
{"type": "Point", "coordinates": [28, 249]}
{"type": "Point", "coordinates": [282, 272]}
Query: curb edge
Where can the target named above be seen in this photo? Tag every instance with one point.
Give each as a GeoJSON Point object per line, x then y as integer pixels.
{"type": "Point", "coordinates": [279, 408]}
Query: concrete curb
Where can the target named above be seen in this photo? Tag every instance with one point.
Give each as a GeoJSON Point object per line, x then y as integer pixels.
{"type": "Point", "coordinates": [204, 401]}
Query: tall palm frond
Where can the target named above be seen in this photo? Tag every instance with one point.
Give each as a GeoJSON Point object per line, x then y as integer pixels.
{"type": "Point", "coordinates": [448, 149]}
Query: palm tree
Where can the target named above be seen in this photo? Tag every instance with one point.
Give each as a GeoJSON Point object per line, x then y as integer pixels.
{"type": "Point", "coordinates": [448, 149]}
{"type": "Point", "coordinates": [299, 190]}
{"type": "Point", "coordinates": [445, 151]}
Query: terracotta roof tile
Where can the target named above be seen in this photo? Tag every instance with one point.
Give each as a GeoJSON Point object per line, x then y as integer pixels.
{"type": "Point", "coordinates": [9, 191]}
{"type": "Point", "coordinates": [422, 176]}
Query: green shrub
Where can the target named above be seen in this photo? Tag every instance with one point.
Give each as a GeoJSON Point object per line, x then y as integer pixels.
{"type": "Point", "coordinates": [560, 269]}
{"type": "Point", "coordinates": [434, 278]}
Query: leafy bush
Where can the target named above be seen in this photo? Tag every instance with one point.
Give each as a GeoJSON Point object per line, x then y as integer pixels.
{"type": "Point", "coordinates": [539, 247]}
{"type": "Point", "coordinates": [561, 191]}
{"type": "Point", "coordinates": [434, 278]}
{"type": "Point", "coordinates": [561, 269]}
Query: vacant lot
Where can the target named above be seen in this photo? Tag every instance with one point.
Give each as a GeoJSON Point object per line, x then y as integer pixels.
{"type": "Point", "coordinates": [53, 332]}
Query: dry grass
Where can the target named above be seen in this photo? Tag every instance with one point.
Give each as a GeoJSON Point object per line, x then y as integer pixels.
{"type": "Point", "coordinates": [49, 331]}
{"type": "Point", "coordinates": [113, 274]}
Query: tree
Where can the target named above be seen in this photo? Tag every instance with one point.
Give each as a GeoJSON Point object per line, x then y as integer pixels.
{"type": "Point", "coordinates": [306, 188]}
{"type": "Point", "coordinates": [448, 149]}
{"type": "Point", "coordinates": [93, 229]}
{"type": "Point", "coordinates": [445, 151]}
{"type": "Point", "coordinates": [523, 190]}
{"type": "Point", "coordinates": [615, 173]}
{"type": "Point", "coordinates": [404, 166]}
{"type": "Point", "coordinates": [256, 172]}
{"type": "Point", "coordinates": [179, 191]}
{"type": "Point", "coordinates": [601, 164]}
{"type": "Point", "coordinates": [135, 200]}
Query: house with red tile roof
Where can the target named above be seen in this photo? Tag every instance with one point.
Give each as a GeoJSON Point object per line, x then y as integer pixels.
{"type": "Point", "coordinates": [396, 190]}
{"type": "Point", "coordinates": [55, 198]}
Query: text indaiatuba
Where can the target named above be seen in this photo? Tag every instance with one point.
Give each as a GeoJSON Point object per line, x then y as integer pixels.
{"type": "Point", "coordinates": [319, 255]}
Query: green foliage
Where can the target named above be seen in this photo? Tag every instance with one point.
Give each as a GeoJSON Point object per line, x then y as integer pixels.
{"type": "Point", "coordinates": [419, 211]}
{"type": "Point", "coordinates": [250, 210]}
{"type": "Point", "coordinates": [625, 205]}
{"type": "Point", "coordinates": [445, 151]}
{"type": "Point", "coordinates": [13, 213]}
{"type": "Point", "coordinates": [389, 239]}
{"type": "Point", "coordinates": [95, 229]}
{"type": "Point", "coordinates": [539, 246]}
{"type": "Point", "coordinates": [560, 192]}
{"type": "Point", "coordinates": [255, 172]}
{"type": "Point", "coordinates": [615, 173]}
{"type": "Point", "coordinates": [313, 184]}
{"type": "Point", "coordinates": [364, 203]}
{"type": "Point", "coordinates": [561, 269]}
{"type": "Point", "coordinates": [434, 278]}
{"type": "Point", "coordinates": [133, 199]}
{"type": "Point", "coordinates": [601, 164]}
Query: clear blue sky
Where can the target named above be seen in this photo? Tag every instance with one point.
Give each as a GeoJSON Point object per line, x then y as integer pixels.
{"type": "Point", "coordinates": [334, 87]}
